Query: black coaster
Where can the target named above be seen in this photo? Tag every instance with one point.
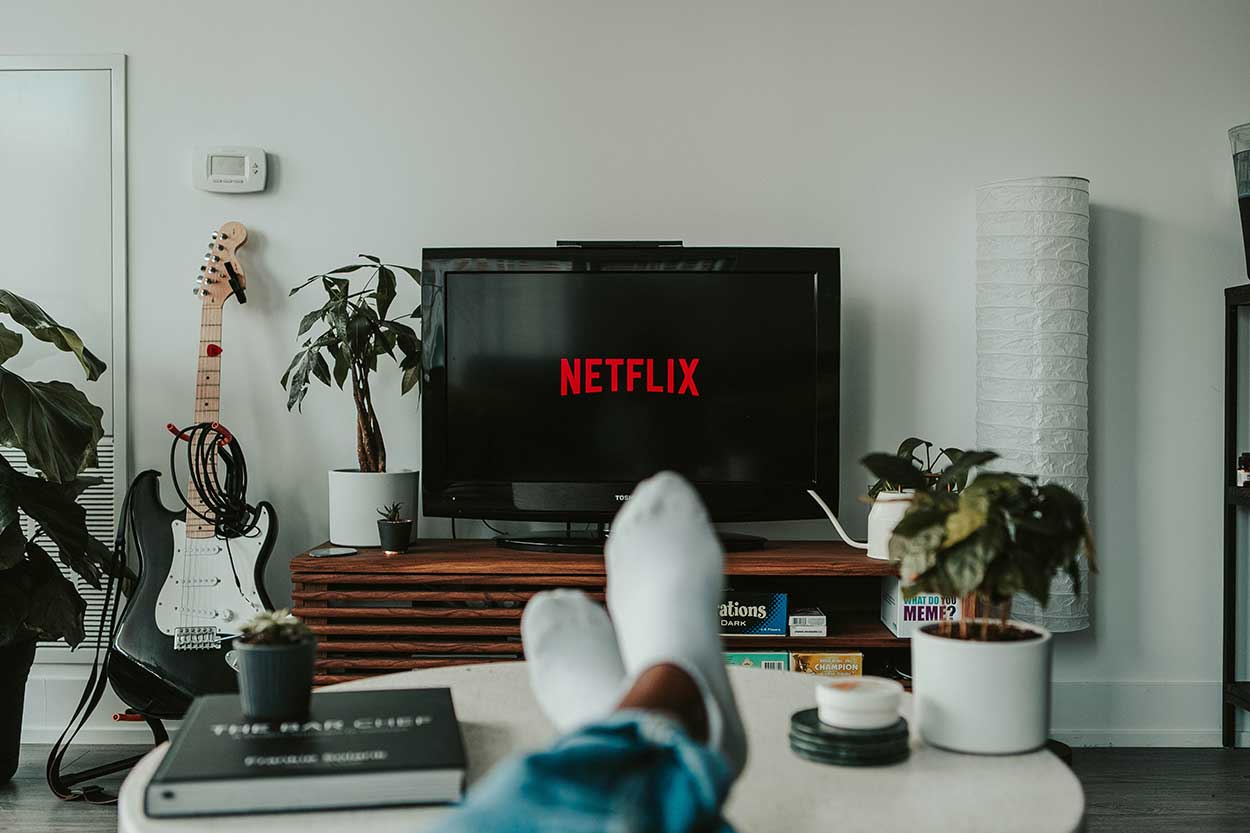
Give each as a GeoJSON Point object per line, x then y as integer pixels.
{"type": "Point", "coordinates": [883, 759]}
{"type": "Point", "coordinates": [815, 741]}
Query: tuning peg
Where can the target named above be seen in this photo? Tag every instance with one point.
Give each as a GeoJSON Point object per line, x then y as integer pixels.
{"type": "Point", "coordinates": [195, 291]}
{"type": "Point", "coordinates": [215, 235]}
{"type": "Point", "coordinates": [202, 268]}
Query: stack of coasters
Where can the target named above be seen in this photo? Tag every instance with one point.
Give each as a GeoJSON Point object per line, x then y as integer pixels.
{"type": "Point", "coordinates": [856, 724]}
{"type": "Point", "coordinates": [815, 741]}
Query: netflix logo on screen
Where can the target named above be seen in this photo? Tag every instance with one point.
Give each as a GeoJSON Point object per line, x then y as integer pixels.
{"type": "Point", "coordinates": [628, 375]}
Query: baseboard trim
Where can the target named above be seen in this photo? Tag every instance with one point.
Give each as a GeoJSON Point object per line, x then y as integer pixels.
{"type": "Point", "coordinates": [52, 693]}
{"type": "Point", "coordinates": [1091, 740]}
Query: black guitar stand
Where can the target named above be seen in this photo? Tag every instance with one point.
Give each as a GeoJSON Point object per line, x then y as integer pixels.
{"type": "Point", "coordinates": [66, 785]}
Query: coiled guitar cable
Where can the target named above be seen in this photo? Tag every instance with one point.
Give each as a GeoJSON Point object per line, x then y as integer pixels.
{"type": "Point", "coordinates": [223, 500]}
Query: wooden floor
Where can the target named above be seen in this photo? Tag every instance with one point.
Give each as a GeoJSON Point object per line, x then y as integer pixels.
{"type": "Point", "coordinates": [1126, 790]}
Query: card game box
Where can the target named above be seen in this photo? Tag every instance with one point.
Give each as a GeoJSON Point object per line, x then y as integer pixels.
{"type": "Point", "coordinates": [903, 616]}
{"type": "Point", "coordinates": [808, 621]}
{"type": "Point", "coordinates": [753, 614]}
{"type": "Point", "coordinates": [828, 663]}
{"type": "Point", "coordinates": [767, 660]}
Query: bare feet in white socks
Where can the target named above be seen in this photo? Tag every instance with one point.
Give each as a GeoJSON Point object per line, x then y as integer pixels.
{"type": "Point", "coordinates": [574, 665]}
{"type": "Point", "coordinates": [665, 580]}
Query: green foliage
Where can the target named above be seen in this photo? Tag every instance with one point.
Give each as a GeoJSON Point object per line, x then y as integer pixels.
{"type": "Point", "coordinates": [1003, 534]}
{"type": "Point", "coordinates": [906, 469]}
{"type": "Point", "coordinates": [275, 627]}
{"type": "Point", "coordinates": [57, 429]}
{"type": "Point", "coordinates": [357, 334]}
{"type": "Point", "coordinates": [390, 512]}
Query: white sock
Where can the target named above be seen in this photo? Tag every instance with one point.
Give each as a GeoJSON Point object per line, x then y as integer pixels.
{"type": "Point", "coordinates": [665, 579]}
{"type": "Point", "coordinates": [574, 664]}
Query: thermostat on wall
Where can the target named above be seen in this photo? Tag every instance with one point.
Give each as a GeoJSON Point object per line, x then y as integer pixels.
{"type": "Point", "coordinates": [232, 170]}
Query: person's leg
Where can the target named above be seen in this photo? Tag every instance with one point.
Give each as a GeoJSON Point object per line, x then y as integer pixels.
{"type": "Point", "coordinates": [664, 760]}
{"type": "Point", "coordinates": [575, 668]}
{"type": "Point", "coordinates": [665, 583]}
{"type": "Point", "coordinates": [669, 691]}
{"type": "Point", "coordinates": [644, 768]}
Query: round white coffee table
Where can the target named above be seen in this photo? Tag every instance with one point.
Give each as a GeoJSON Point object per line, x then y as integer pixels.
{"type": "Point", "coordinates": [932, 791]}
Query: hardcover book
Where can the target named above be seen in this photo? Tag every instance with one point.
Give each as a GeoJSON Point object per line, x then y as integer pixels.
{"type": "Point", "coordinates": [355, 749]}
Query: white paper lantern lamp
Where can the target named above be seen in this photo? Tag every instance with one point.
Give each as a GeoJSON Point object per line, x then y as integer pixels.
{"type": "Point", "coordinates": [1033, 347]}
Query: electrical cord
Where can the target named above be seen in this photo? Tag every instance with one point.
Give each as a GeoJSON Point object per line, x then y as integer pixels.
{"type": "Point", "coordinates": [223, 501]}
{"type": "Point", "coordinates": [860, 545]}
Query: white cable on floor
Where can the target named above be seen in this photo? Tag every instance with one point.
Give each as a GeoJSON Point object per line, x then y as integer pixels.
{"type": "Point", "coordinates": [834, 520]}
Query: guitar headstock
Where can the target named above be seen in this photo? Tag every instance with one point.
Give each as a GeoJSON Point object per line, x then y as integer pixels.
{"type": "Point", "coordinates": [222, 275]}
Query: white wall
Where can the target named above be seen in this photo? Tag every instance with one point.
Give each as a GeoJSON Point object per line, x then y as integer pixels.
{"type": "Point", "coordinates": [861, 125]}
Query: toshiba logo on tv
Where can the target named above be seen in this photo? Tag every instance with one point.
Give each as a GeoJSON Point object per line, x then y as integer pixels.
{"type": "Point", "coordinates": [671, 376]}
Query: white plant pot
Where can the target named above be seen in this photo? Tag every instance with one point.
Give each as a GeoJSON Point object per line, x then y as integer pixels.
{"type": "Point", "coordinates": [888, 508]}
{"type": "Point", "coordinates": [988, 698]}
{"type": "Point", "coordinates": [356, 496]}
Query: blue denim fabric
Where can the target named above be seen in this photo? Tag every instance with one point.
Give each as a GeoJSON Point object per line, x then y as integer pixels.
{"type": "Point", "coordinates": [635, 772]}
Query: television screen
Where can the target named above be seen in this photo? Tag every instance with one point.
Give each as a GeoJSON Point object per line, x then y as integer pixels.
{"type": "Point", "coordinates": [613, 377]}
{"type": "Point", "coordinates": [558, 378]}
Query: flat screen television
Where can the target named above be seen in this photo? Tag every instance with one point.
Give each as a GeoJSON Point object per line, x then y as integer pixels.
{"type": "Point", "coordinates": [557, 378]}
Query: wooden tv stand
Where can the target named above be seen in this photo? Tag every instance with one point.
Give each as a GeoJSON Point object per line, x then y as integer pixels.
{"type": "Point", "coordinates": [459, 602]}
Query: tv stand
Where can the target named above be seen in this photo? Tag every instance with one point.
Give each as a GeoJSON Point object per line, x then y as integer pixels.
{"type": "Point", "coordinates": [593, 544]}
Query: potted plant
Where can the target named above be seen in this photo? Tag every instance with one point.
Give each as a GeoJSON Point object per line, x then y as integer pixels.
{"type": "Point", "coordinates": [56, 428]}
{"type": "Point", "coordinates": [394, 531]}
{"type": "Point", "coordinates": [358, 332]}
{"type": "Point", "coordinates": [277, 653]}
{"type": "Point", "coordinates": [900, 476]}
{"type": "Point", "coordinates": [982, 683]}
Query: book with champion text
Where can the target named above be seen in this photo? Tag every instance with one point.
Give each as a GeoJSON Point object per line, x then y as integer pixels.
{"type": "Point", "coordinates": [355, 749]}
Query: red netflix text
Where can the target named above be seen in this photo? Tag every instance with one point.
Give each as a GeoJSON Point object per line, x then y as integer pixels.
{"type": "Point", "coordinates": [671, 376]}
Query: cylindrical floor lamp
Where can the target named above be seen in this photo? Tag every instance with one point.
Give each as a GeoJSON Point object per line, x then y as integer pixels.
{"type": "Point", "coordinates": [1032, 347]}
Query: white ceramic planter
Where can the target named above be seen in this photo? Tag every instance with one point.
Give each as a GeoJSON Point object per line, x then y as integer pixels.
{"type": "Point", "coordinates": [356, 496]}
{"type": "Point", "coordinates": [988, 698]}
{"type": "Point", "coordinates": [888, 508]}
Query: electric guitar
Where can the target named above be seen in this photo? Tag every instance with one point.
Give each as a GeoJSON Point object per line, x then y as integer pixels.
{"type": "Point", "coordinates": [196, 588]}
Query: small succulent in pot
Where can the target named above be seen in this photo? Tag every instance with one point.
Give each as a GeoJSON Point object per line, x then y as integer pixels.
{"type": "Point", "coordinates": [394, 530]}
{"type": "Point", "coordinates": [276, 653]}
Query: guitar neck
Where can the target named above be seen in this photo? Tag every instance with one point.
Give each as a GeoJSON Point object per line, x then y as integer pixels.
{"type": "Point", "coordinates": [207, 405]}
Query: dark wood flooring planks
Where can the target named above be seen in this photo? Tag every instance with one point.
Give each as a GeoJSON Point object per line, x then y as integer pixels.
{"type": "Point", "coordinates": [1165, 790]}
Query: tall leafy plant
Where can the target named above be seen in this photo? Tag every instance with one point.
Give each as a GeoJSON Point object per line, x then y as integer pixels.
{"type": "Point", "coordinates": [57, 429]}
{"type": "Point", "coordinates": [357, 333]}
{"type": "Point", "coordinates": [1002, 534]}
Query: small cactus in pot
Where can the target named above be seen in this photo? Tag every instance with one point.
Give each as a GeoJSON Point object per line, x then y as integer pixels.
{"type": "Point", "coordinates": [394, 528]}
{"type": "Point", "coordinates": [276, 653]}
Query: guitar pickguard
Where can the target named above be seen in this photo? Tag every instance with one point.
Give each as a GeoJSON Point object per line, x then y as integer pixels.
{"type": "Point", "coordinates": [210, 591]}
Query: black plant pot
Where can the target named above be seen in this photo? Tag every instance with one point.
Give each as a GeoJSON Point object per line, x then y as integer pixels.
{"type": "Point", "coordinates": [395, 535]}
{"type": "Point", "coordinates": [15, 660]}
{"type": "Point", "coordinates": [275, 681]}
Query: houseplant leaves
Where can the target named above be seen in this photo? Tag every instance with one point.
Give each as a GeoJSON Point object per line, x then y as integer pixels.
{"type": "Point", "coordinates": [57, 428]}
{"type": "Point", "coordinates": [1000, 535]}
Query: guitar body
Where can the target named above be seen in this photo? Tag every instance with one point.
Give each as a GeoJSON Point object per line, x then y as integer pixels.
{"type": "Point", "coordinates": [145, 669]}
{"type": "Point", "coordinates": [195, 590]}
